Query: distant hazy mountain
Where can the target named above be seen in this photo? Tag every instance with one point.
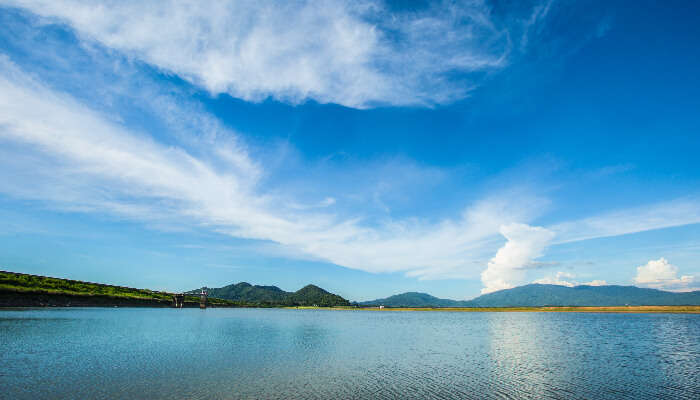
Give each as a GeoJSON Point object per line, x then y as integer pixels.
{"type": "Point", "coordinates": [537, 295]}
{"type": "Point", "coordinates": [307, 296]}
{"type": "Point", "coordinates": [414, 299]}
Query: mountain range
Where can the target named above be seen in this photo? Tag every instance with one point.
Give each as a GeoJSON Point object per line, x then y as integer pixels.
{"type": "Point", "coordinates": [532, 295]}
{"type": "Point", "coordinates": [309, 295]}
{"type": "Point", "coordinates": [540, 295]}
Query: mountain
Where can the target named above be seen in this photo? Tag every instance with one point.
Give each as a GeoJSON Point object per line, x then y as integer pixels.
{"type": "Point", "coordinates": [413, 299]}
{"type": "Point", "coordinates": [244, 291]}
{"type": "Point", "coordinates": [309, 295]}
{"type": "Point", "coordinates": [538, 295]}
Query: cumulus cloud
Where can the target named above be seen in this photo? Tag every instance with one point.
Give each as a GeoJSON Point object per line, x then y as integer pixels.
{"type": "Point", "coordinates": [506, 268]}
{"type": "Point", "coordinates": [660, 274]}
{"type": "Point", "coordinates": [567, 279]}
{"type": "Point", "coordinates": [354, 53]}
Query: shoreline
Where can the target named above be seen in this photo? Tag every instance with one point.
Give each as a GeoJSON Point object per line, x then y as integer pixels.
{"type": "Point", "coordinates": [45, 299]}
{"type": "Point", "coordinates": [73, 301]}
{"type": "Point", "coordinates": [582, 309]}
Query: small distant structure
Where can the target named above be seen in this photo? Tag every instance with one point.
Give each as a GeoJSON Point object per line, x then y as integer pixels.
{"type": "Point", "coordinates": [178, 300]}
{"type": "Point", "coordinates": [203, 299]}
{"type": "Point", "coordinates": [381, 307]}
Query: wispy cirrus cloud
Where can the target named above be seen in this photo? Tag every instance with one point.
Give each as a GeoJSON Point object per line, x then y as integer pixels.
{"type": "Point", "coordinates": [80, 160]}
{"type": "Point", "coordinates": [676, 212]}
{"type": "Point", "coordinates": [60, 152]}
{"type": "Point", "coordinates": [353, 53]}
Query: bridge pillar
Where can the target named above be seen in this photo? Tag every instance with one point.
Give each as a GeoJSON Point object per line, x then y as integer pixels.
{"type": "Point", "coordinates": [178, 300]}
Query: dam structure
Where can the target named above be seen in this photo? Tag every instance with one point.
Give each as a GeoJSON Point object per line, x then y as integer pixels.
{"type": "Point", "coordinates": [179, 299]}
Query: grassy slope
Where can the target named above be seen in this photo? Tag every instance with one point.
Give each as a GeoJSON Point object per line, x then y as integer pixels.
{"type": "Point", "coordinates": [25, 283]}
{"type": "Point", "coordinates": [34, 283]}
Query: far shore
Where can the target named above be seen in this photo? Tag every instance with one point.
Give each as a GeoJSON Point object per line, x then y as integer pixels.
{"type": "Point", "coordinates": [611, 309]}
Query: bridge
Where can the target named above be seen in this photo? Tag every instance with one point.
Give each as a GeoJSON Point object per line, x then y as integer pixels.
{"type": "Point", "coordinates": [179, 299]}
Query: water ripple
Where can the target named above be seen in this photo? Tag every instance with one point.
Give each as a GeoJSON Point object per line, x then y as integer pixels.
{"type": "Point", "coordinates": [308, 354]}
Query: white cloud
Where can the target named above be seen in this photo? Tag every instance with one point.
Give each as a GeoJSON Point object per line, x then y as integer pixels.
{"type": "Point", "coordinates": [666, 214]}
{"type": "Point", "coordinates": [354, 53]}
{"type": "Point", "coordinates": [567, 279]}
{"type": "Point", "coordinates": [60, 152]}
{"type": "Point", "coordinates": [558, 279]}
{"type": "Point", "coordinates": [79, 160]}
{"type": "Point", "coordinates": [659, 274]}
{"type": "Point", "coordinates": [327, 202]}
{"type": "Point", "coordinates": [539, 12]}
{"type": "Point", "coordinates": [525, 243]}
{"type": "Point", "coordinates": [596, 282]}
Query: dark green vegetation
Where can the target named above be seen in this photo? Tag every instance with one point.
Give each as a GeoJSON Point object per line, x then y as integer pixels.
{"type": "Point", "coordinates": [538, 295]}
{"type": "Point", "coordinates": [32, 290]}
{"type": "Point", "coordinates": [309, 295]}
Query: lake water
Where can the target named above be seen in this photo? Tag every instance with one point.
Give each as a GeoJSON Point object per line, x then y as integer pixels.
{"type": "Point", "coordinates": [276, 353]}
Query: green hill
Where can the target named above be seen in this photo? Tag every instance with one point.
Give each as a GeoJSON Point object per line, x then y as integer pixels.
{"type": "Point", "coordinates": [313, 295]}
{"type": "Point", "coordinates": [246, 292]}
{"type": "Point", "coordinates": [17, 282]}
{"type": "Point", "coordinates": [309, 295]}
{"type": "Point", "coordinates": [17, 289]}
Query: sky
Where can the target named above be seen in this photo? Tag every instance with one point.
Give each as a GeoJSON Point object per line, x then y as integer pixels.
{"type": "Point", "coordinates": [368, 147]}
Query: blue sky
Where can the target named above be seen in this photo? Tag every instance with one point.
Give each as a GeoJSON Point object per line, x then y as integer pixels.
{"type": "Point", "coordinates": [371, 148]}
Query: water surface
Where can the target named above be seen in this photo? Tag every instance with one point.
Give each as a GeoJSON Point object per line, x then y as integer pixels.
{"type": "Point", "coordinates": [276, 353]}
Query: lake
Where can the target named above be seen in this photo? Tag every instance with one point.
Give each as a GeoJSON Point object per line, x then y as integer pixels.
{"type": "Point", "coordinates": [277, 353]}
